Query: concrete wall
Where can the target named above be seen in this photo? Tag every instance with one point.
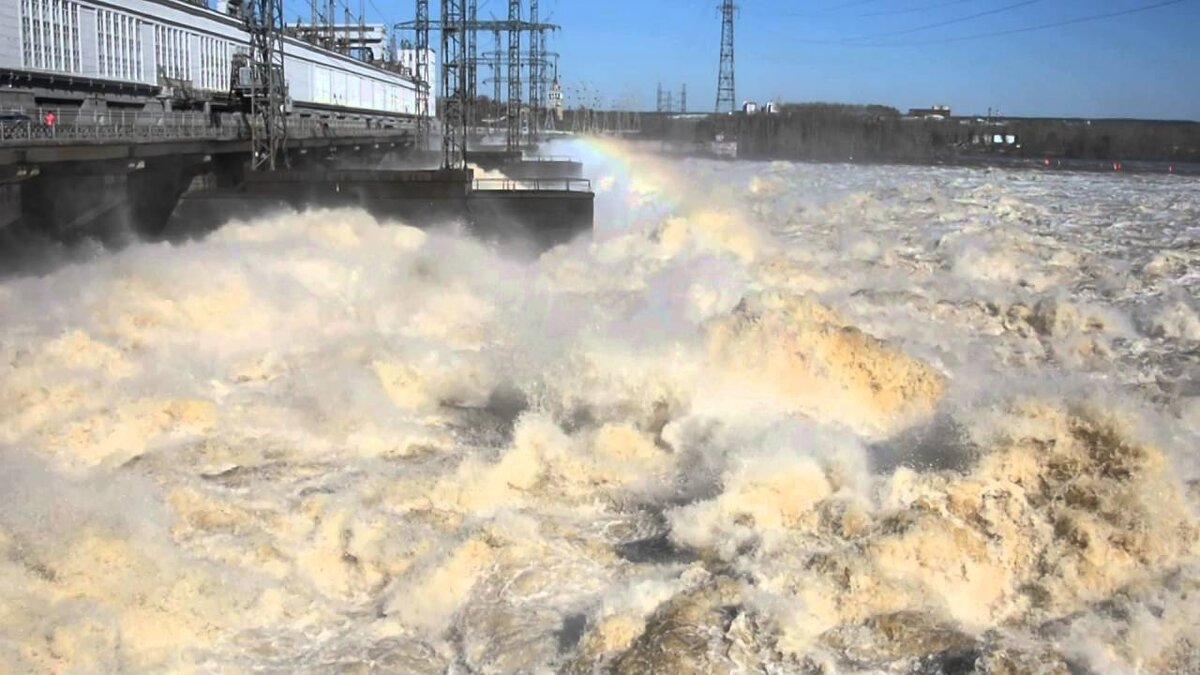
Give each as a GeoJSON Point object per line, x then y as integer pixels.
{"type": "Point", "coordinates": [539, 219]}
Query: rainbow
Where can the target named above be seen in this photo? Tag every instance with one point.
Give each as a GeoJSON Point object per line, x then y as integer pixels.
{"type": "Point", "coordinates": [633, 190]}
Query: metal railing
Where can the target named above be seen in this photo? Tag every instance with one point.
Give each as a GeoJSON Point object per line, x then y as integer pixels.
{"type": "Point", "coordinates": [549, 158]}
{"type": "Point", "coordinates": [51, 126]}
{"type": "Point", "coordinates": [542, 184]}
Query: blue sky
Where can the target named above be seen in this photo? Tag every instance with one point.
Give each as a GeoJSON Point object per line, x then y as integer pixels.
{"type": "Point", "coordinates": [1139, 65]}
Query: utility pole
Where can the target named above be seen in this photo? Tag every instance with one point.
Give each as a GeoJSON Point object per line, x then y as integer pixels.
{"type": "Point", "coordinates": [513, 140]}
{"type": "Point", "coordinates": [725, 88]}
{"type": "Point", "coordinates": [454, 140]}
{"type": "Point", "coordinates": [422, 74]}
{"type": "Point", "coordinates": [267, 86]}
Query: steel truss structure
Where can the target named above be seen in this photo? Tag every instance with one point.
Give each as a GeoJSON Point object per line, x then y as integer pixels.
{"type": "Point", "coordinates": [454, 91]}
{"type": "Point", "coordinates": [268, 87]}
{"type": "Point", "coordinates": [725, 85]}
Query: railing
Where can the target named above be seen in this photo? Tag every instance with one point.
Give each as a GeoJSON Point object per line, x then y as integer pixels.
{"type": "Point", "coordinates": [556, 184]}
{"type": "Point", "coordinates": [549, 158]}
{"type": "Point", "coordinates": [50, 126]}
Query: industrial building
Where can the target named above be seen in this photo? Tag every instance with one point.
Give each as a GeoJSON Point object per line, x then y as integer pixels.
{"type": "Point", "coordinates": [149, 55]}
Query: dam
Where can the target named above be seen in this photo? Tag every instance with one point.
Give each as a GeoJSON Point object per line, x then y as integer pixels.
{"type": "Point", "coordinates": [152, 116]}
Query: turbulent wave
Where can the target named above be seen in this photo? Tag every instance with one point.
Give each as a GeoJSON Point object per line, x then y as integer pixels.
{"type": "Point", "coordinates": [769, 418]}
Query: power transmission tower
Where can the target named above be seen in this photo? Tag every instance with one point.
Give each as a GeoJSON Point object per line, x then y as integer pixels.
{"type": "Point", "coordinates": [725, 89]}
{"type": "Point", "coordinates": [546, 78]}
{"type": "Point", "coordinates": [454, 104]}
{"type": "Point", "coordinates": [267, 85]}
{"type": "Point", "coordinates": [683, 99]}
{"type": "Point", "coordinates": [535, 77]}
{"type": "Point", "coordinates": [472, 37]}
{"type": "Point", "coordinates": [669, 106]}
{"type": "Point", "coordinates": [554, 110]}
{"type": "Point", "coordinates": [467, 29]}
{"type": "Point", "coordinates": [513, 140]}
{"type": "Point", "coordinates": [658, 106]}
{"type": "Point", "coordinates": [422, 74]}
{"type": "Point", "coordinates": [497, 74]}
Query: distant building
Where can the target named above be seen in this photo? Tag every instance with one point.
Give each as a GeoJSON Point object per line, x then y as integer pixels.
{"type": "Point", "coordinates": [750, 107]}
{"type": "Point", "coordinates": [937, 112]}
{"type": "Point", "coordinates": [771, 108]}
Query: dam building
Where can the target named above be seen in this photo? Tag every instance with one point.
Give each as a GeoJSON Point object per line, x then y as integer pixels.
{"type": "Point", "coordinates": [91, 56]}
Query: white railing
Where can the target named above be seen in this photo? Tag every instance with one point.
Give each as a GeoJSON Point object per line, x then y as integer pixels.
{"type": "Point", "coordinates": [539, 184]}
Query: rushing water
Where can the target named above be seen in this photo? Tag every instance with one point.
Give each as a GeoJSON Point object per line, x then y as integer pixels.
{"type": "Point", "coordinates": [770, 418]}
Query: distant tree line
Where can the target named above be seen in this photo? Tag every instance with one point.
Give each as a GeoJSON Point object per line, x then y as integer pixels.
{"type": "Point", "coordinates": [840, 132]}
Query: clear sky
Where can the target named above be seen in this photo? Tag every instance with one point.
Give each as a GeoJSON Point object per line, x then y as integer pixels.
{"type": "Point", "coordinates": [867, 51]}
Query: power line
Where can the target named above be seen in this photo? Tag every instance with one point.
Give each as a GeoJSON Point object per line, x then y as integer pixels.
{"type": "Point", "coordinates": [844, 5]}
{"type": "Point", "coordinates": [922, 8]}
{"type": "Point", "coordinates": [948, 22]}
{"type": "Point", "coordinates": [847, 5]}
{"type": "Point", "coordinates": [1029, 29]}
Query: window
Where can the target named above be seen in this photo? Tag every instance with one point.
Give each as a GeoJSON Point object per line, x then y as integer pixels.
{"type": "Point", "coordinates": [119, 43]}
{"type": "Point", "coordinates": [50, 35]}
{"type": "Point", "coordinates": [216, 57]}
{"type": "Point", "coordinates": [171, 53]}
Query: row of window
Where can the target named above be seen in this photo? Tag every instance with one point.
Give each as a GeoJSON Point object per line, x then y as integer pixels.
{"type": "Point", "coordinates": [51, 41]}
{"type": "Point", "coordinates": [171, 53]}
{"type": "Point", "coordinates": [216, 58]}
{"type": "Point", "coordinates": [119, 45]}
{"type": "Point", "coordinates": [50, 35]}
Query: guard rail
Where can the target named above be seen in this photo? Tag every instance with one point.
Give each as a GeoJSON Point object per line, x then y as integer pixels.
{"type": "Point", "coordinates": [39, 127]}
{"type": "Point", "coordinates": [536, 184]}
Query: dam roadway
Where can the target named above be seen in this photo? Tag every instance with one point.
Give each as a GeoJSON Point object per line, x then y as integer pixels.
{"type": "Point", "coordinates": [162, 175]}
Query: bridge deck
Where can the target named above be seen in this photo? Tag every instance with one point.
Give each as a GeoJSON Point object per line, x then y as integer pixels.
{"type": "Point", "coordinates": [144, 135]}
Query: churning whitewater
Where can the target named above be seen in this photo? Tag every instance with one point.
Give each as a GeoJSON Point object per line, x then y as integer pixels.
{"type": "Point", "coordinates": [773, 418]}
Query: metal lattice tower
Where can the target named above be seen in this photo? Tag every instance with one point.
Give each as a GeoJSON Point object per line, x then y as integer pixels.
{"type": "Point", "coordinates": [268, 87]}
{"type": "Point", "coordinates": [548, 78]}
{"type": "Point", "coordinates": [497, 73]}
{"type": "Point", "coordinates": [725, 87]}
{"type": "Point", "coordinates": [454, 105]}
{"type": "Point", "coordinates": [535, 75]}
{"type": "Point", "coordinates": [472, 37]}
{"type": "Point", "coordinates": [683, 99]}
{"type": "Point", "coordinates": [554, 109]}
{"type": "Point", "coordinates": [513, 139]}
{"type": "Point", "coordinates": [422, 74]}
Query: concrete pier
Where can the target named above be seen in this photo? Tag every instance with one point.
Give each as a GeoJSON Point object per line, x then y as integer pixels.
{"type": "Point", "coordinates": [543, 212]}
{"type": "Point", "coordinates": [74, 186]}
